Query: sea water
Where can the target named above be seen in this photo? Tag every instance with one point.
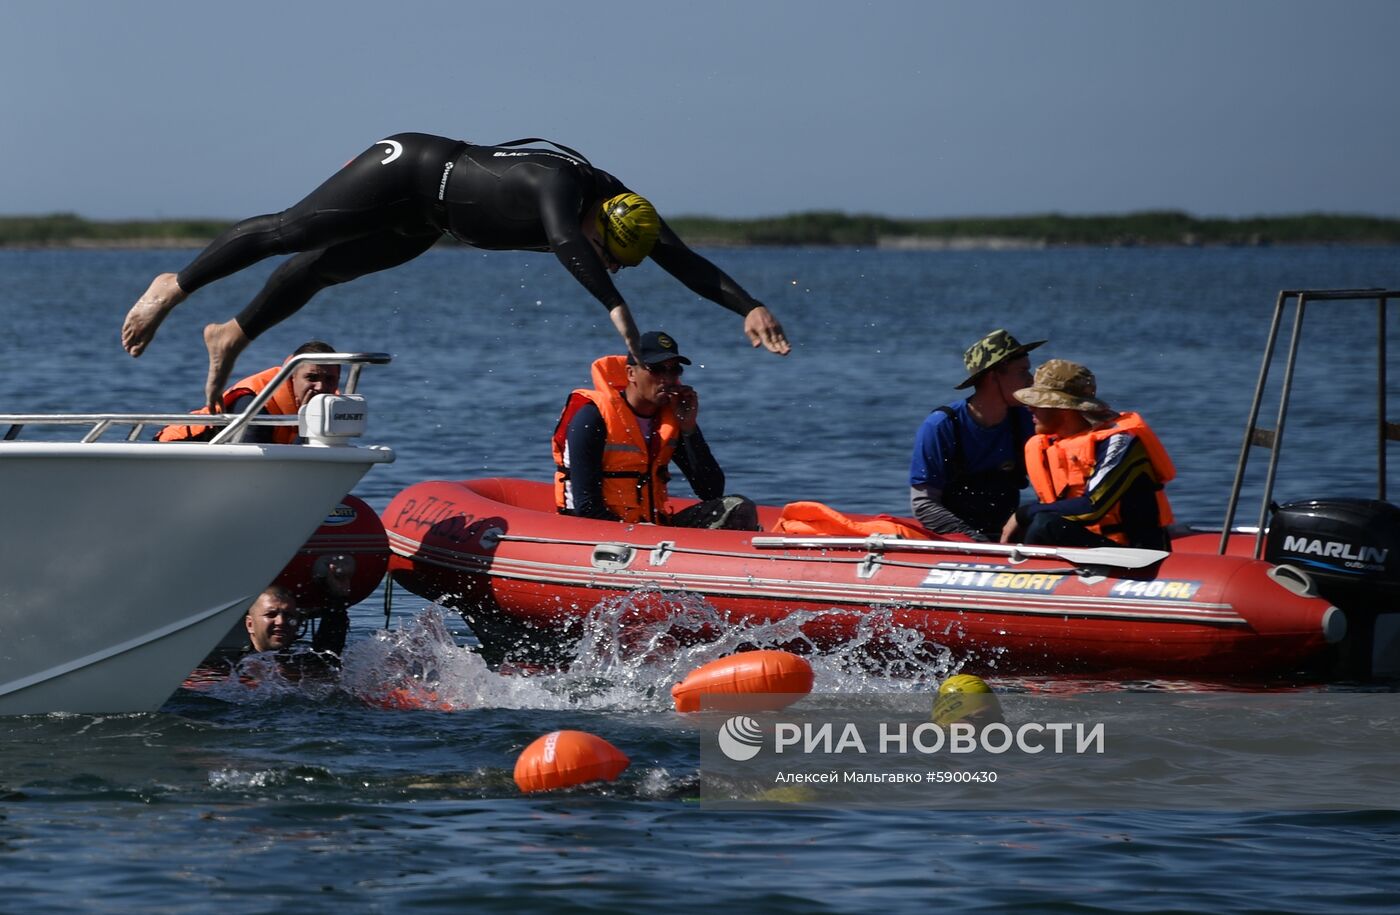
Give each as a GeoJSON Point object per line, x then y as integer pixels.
{"type": "Point", "coordinates": [263, 794]}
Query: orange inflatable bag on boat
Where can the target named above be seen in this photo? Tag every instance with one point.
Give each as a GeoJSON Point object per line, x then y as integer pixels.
{"type": "Point", "coordinates": [780, 676]}
{"type": "Point", "coordinates": [562, 759]}
{"type": "Point", "coordinates": [809, 519]}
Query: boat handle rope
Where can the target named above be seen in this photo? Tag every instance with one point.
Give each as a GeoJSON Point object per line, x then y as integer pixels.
{"type": "Point", "coordinates": [667, 547]}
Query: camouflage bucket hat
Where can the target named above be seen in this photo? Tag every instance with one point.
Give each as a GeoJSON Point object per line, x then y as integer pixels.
{"type": "Point", "coordinates": [1063, 385]}
{"type": "Point", "coordinates": [991, 351]}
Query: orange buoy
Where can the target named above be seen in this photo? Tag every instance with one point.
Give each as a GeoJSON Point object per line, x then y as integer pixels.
{"type": "Point", "coordinates": [561, 759]}
{"type": "Point", "coordinates": [413, 698]}
{"type": "Point", "coordinates": [780, 675]}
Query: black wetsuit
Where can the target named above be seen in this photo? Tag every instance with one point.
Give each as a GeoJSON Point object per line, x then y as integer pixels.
{"type": "Point", "coordinates": [395, 200]}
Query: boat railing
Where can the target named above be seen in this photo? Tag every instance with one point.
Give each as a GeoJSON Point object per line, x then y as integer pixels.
{"type": "Point", "coordinates": [1272, 439]}
{"type": "Point", "coordinates": [234, 424]}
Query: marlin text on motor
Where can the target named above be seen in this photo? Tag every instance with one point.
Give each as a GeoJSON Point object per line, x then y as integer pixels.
{"type": "Point", "coordinates": [1332, 549]}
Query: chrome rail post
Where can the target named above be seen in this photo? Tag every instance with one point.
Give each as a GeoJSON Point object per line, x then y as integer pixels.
{"type": "Point", "coordinates": [1382, 430]}
{"type": "Point", "coordinates": [1284, 394]}
{"type": "Point", "coordinates": [1250, 425]}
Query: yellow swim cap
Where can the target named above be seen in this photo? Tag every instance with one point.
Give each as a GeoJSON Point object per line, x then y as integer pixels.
{"type": "Point", "coordinates": [965, 697]}
{"type": "Point", "coordinates": [963, 683]}
{"type": "Point", "coordinates": [629, 225]}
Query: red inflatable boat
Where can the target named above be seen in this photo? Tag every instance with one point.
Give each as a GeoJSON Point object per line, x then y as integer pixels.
{"type": "Point", "coordinates": [525, 576]}
{"type": "Point", "coordinates": [1313, 586]}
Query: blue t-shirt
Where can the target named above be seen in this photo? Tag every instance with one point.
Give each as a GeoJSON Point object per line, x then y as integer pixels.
{"type": "Point", "coordinates": [935, 446]}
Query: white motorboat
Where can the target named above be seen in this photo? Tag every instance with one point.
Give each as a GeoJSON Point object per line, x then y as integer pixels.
{"type": "Point", "coordinates": [123, 563]}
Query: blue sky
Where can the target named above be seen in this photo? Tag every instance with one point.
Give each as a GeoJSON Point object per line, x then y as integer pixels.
{"type": "Point", "coordinates": [158, 108]}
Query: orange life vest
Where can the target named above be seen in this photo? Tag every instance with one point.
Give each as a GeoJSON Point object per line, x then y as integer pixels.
{"type": "Point", "coordinates": [1060, 468]}
{"type": "Point", "coordinates": [818, 519]}
{"type": "Point", "coordinates": [634, 473]}
{"type": "Point", "coordinates": [282, 403]}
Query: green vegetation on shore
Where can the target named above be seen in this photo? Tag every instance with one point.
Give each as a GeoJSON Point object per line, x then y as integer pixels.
{"type": "Point", "coordinates": [1148, 228]}
{"type": "Point", "coordinates": [1164, 227]}
{"type": "Point", "coordinates": [69, 230]}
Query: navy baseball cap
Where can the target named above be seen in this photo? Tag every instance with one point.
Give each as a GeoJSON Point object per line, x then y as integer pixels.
{"type": "Point", "coordinates": [659, 346]}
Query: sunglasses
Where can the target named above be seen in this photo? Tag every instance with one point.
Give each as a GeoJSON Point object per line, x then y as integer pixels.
{"type": "Point", "coordinates": [674, 369]}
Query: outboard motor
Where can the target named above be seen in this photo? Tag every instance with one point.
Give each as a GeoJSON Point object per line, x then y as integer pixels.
{"type": "Point", "coordinates": [1349, 541]}
{"type": "Point", "coordinates": [1351, 548]}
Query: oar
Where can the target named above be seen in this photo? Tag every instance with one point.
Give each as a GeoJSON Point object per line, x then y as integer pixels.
{"type": "Point", "coordinates": [1110, 556]}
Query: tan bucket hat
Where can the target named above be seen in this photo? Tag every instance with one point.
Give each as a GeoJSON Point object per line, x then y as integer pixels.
{"type": "Point", "coordinates": [1063, 385]}
{"type": "Point", "coordinates": [991, 351]}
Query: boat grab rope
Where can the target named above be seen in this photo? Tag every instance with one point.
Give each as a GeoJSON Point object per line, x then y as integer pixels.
{"type": "Point", "coordinates": [666, 545]}
{"type": "Point", "coordinates": [670, 547]}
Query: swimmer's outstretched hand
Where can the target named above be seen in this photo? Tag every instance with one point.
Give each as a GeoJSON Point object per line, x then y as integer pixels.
{"type": "Point", "coordinates": [145, 316]}
{"type": "Point", "coordinates": [764, 330]}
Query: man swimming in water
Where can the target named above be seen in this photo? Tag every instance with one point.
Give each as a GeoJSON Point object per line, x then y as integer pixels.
{"type": "Point", "coordinates": [395, 200]}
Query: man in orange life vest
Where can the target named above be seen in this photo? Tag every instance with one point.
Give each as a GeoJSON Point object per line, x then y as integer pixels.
{"type": "Point", "coordinates": [614, 442]}
{"type": "Point", "coordinates": [1099, 474]}
{"type": "Point", "coordinates": [306, 382]}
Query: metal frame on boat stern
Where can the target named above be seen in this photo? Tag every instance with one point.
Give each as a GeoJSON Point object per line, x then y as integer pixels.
{"type": "Point", "coordinates": [1273, 438]}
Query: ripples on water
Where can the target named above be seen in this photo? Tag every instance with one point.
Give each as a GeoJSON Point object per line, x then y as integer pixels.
{"type": "Point", "coordinates": [260, 793]}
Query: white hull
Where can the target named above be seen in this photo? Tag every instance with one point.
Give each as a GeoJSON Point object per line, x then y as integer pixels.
{"type": "Point", "coordinates": [122, 565]}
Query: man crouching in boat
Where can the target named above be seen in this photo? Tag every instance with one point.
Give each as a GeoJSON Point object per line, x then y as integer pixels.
{"type": "Point", "coordinates": [308, 380]}
{"type": "Point", "coordinates": [614, 442]}
{"type": "Point", "coordinates": [1099, 474]}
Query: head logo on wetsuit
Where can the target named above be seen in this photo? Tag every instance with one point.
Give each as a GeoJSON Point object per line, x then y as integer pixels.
{"type": "Point", "coordinates": [392, 150]}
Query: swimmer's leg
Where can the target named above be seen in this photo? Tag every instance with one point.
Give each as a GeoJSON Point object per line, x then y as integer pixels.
{"type": "Point", "coordinates": [292, 285]}
{"type": "Point", "coordinates": [145, 316]}
{"type": "Point", "coordinates": [366, 197]}
{"type": "Point", "coordinates": [224, 342]}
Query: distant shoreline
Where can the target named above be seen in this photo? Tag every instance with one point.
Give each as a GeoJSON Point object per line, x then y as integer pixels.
{"type": "Point", "coordinates": [826, 229]}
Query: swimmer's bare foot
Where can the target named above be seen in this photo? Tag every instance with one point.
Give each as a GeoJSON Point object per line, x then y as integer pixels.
{"type": "Point", "coordinates": [145, 316]}
{"type": "Point", "coordinates": [224, 342]}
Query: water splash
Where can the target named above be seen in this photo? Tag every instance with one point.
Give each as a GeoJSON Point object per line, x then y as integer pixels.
{"type": "Point", "coordinates": [420, 665]}
{"type": "Point", "coordinates": [634, 647]}
{"type": "Point", "coordinates": [265, 677]}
